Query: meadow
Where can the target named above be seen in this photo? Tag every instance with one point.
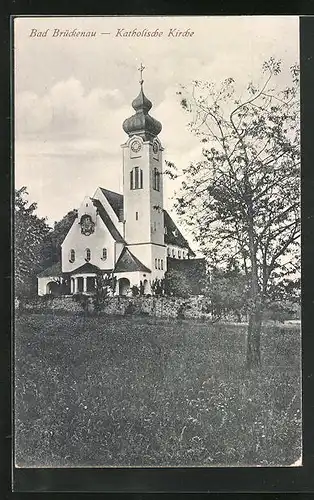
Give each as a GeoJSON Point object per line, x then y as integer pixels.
{"type": "Point", "coordinates": [140, 391]}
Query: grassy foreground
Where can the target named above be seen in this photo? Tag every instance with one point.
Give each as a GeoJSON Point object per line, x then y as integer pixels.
{"type": "Point", "coordinates": [99, 391]}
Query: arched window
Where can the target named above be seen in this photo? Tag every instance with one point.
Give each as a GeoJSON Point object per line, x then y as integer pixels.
{"type": "Point", "coordinates": [136, 215]}
{"type": "Point", "coordinates": [162, 264]}
{"type": "Point", "coordinates": [156, 179]}
{"type": "Point", "coordinates": [173, 253]}
{"type": "Point", "coordinates": [72, 255]}
{"type": "Point", "coordinates": [158, 263]}
{"type": "Point", "coordinates": [104, 254]}
{"type": "Point", "coordinates": [155, 263]}
{"type": "Point", "coordinates": [179, 254]}
{"type": "Point", "coordinates": [136, 178]}
{"type": "Point", "coordinates": [87, 254]}
{"type": "Point", "coordinates": [168, 252]}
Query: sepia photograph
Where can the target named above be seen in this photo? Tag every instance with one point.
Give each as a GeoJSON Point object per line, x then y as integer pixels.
{"type": "Point", "coordinates": [157, 259]}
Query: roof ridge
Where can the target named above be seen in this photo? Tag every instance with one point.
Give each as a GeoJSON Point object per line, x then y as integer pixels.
{"type": "Point", "coordinates": [110, 191]}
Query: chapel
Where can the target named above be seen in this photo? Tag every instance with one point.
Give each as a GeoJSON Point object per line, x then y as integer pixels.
{"type": "Point", "coordinates": [129, 235]}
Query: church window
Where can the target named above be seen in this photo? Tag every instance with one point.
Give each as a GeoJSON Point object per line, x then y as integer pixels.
{"type": "Point", "coordinates": [179, 254]}
{"type": "Point", "coordinates": [173, 253]}
{"type": "Point", "coordinates": [87, 254]}
{"type": "Point", "coordinates": [136, 178]}
{"type": "Point", "coordinates": [104, 254]}
{"type": "Point", "coordinates": [168, 252]}
{"type": "Point", "coordinates": [136, 215]}
{"type": "Point", "coordinates": [156, 180]}
{"type": "Point", "coordinates": [72, 255]}
{"type": "Point", "coordinates": [162, 264]}
{"type": "Point", "coordinates": [158, 263]}
{"type": "Point", "coordinates": [155, 263]}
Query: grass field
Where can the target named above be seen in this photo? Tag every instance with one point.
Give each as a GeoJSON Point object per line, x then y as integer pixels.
{"type": "Point", "coordinates": [101, 391]}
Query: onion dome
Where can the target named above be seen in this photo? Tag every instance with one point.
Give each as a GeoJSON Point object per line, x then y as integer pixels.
{"type": "Point", "coordinates": [141, 123]}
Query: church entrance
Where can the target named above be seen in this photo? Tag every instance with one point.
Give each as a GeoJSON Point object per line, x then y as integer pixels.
{"type": "Point", "coordinates": [53, 288]}
{"type": "Point", "coordinates": [124, 286]}
{"type": "Point", "coordinates": [80, 285]}
{"type": "Point", "coordinates": [90, 284]}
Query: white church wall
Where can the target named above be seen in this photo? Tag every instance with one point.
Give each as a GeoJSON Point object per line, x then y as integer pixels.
{"type": "Point", "coordinates": [149, 255]}
{"type": "Point", "coordinates": [96, 242]}
{"type": "Point", "coordinates": [157, 215]}
{"type": "Point", "coordinates": [136, 201]}
{"type": "Point", "coordinates": [177, 252]}
{"type": "Point", "coordinates": [43, 282]}
{"type": "Point", "coordinates": [135, 279]}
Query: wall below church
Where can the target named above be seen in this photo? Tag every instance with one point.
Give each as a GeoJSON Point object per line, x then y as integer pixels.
{"type": "Point", "coordinates": [160, 307]}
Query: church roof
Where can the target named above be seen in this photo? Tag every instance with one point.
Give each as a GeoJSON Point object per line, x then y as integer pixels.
{"type": "Point", "coordinates": [115, 200]}
{"type": "Point", "coordinates": [141, 123]}
{"type": "Point", "coordinates": [88, 268]}
{"type": "Point", "coordinates": [173, 236]}
{"type": "Point", "coordinates": [54, 271]}
{"type": "Point", "coordinates": [127, 262]}
{"type": "Point", "coordinates": [107, 221]}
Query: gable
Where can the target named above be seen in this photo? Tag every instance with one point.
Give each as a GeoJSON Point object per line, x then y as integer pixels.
{"type": "Point", "coordinates": [127, 262]}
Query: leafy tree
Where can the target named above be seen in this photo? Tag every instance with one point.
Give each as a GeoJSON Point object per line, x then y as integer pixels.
{"type": "Point", "coordinates": [228, 293]}
{"type": "Point", "coordinates": [242, 200]}
{"type": "Point", "coordinates": [177, 283]}
{"type": "Point", "coordinates": [29, 233]}
{"type": "Point", "coordinates": [51, 248]}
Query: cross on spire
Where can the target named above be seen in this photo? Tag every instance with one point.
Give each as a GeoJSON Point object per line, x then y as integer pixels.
{"type": "Point", "coordinates": [141, 69]}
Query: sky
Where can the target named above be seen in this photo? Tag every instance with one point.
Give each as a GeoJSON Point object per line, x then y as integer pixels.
{"type": "Point", "coordinates": [71, 94]}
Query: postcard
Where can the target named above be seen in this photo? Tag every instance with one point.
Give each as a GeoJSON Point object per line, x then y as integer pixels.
{"type": "Point", "coordinates": [157, 242]}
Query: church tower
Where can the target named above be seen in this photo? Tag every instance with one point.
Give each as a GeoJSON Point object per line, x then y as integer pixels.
{"type": "Point", "coordinates": [143, 186]}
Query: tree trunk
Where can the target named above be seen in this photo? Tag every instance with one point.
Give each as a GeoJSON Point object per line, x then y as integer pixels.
{"type": "Point", "coordinates": [253, 352]}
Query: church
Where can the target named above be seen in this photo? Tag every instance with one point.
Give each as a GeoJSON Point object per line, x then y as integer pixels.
{"type": "Point", "coordinates": [128, 236]}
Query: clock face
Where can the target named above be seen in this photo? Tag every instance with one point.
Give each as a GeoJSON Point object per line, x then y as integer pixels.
{"type": "Point", "coordinates": [136, 146]}
{"type": "Point", "coordinates": [155, 147]}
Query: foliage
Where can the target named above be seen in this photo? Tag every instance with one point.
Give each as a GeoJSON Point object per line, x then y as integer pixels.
{"type": "Point", "coordinates": [228, 292]}
{"type": "Point", "coordinates": [242, 201]}
{"type": "Point", "coordinates": [104, 287]}
{"type": "Point", "coordinates": [282, 310]}
{"type": "Point", "coordinates": [29, 233]}
{"type": "Point", "coordinates": [51, 247]}
{"type": "Point", "coordinates": [158, 286]}
{"type": "Point", "coordinates": [137, 392]}
{"type": "Point", "coordinates": [135, 291]}
{"type": "Point", "coordinates": [177, 283]}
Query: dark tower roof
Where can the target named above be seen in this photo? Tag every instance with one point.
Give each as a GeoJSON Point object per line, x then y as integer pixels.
{"type": "Point", "coordinates": [141, 123]}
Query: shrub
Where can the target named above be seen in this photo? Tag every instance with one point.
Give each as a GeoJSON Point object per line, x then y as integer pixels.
{"type": "Point", "coordinates": [130, 309]}
{"type": "Point", "coordinates": [82, 300]}
{"type": "Point", "coordinates": [135, 291]}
